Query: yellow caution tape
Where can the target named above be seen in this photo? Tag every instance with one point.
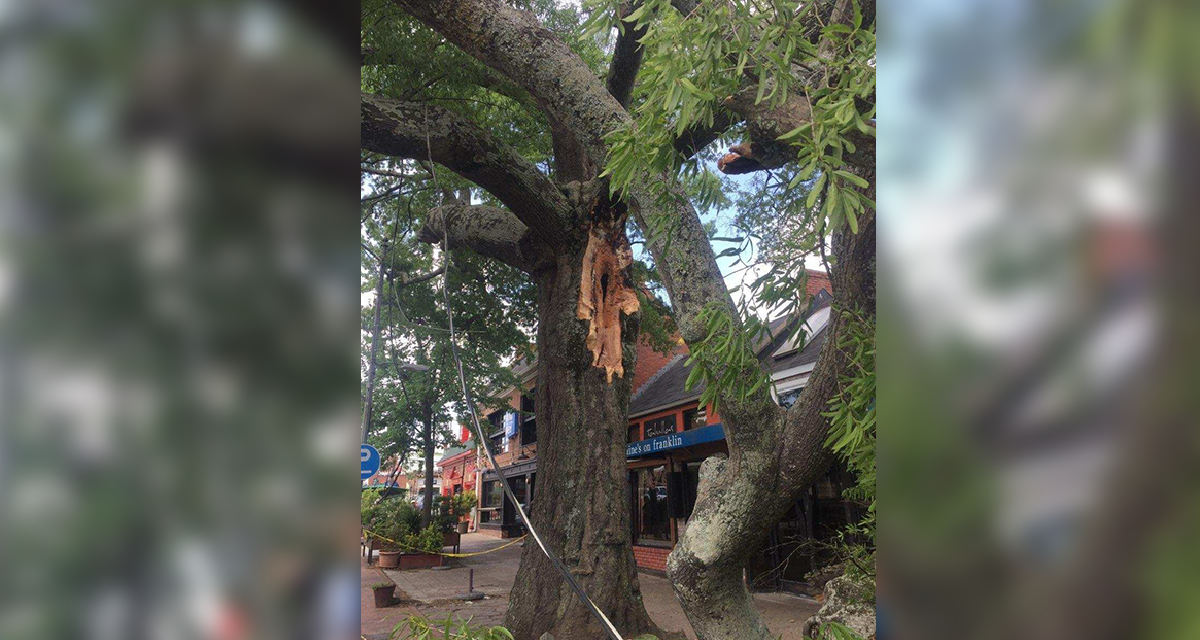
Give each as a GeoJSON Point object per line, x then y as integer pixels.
{"type": "Point", "coordinates": [372, 534]}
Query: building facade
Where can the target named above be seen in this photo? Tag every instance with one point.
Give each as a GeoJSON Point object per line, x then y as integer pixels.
{"type": "Point", "coordinates": [457, 467]}
{"type": "Point", "coordinates": [512, 437]}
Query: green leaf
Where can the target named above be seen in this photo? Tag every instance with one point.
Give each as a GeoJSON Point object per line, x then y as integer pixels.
{"type": "Point", "coordinates": [816, 191]}
{"type": "Point", "coordinates": [857, 180]}
{"type": "Point", "coordinates": [795, 132]}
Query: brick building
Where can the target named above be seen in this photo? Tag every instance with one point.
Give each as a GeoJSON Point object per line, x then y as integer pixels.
{"type": "Point", "coordinates": [512, 437]}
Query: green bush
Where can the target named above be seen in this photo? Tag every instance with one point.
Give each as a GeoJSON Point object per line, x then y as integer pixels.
{"type": "Point", "coordinates": [369, 506]}
{"type": "Point", "coordinates": [427, 541]}
{"type": "Point", "coordinates": [392, 519]}
{"type": "Point", "coordinates": [463, 503]}
{"type": "Point", "coordinates": [444, 516]}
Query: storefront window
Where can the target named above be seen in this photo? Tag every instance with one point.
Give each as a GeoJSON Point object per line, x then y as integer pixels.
{"type": "Point", "coordinates": [651, 522]}
{"type": "Point", "coordinates": [694, 418]}
{"type": "Point", "coordinates": [492, 493]}
{"type": "Point", "coordinates": [660, 426]}
{"type": "Point", "coordinates": [635, 434]}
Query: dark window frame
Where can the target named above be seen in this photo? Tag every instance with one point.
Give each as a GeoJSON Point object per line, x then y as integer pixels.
{"type": "Point", "coordinates": [658, 426]}
{"type": "Point", "coordinates": [690, 415]}
{"type": "Point", "coordinates": [528, 418]}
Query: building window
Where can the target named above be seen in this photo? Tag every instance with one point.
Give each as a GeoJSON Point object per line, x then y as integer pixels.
{"type": "Point", "coordinates": [694, 418]}
{"type": "Point", "coordinates": [635, 433]}
{"type": "Point", "coordinates": [651, 522]}
{"type": "Point", "coordinates": [528, 420]}
{"type": "Point", "coordinates": [493, 494]}
{"type": "Point", "coordinates": [660, 426]}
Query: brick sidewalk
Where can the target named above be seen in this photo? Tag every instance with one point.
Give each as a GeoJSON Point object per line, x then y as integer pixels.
{"type": "Point", "coordinates": [432, 592]}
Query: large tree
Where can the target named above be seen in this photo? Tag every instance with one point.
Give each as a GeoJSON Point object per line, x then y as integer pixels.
{"type": "Point", "coordinates": [795, 81]}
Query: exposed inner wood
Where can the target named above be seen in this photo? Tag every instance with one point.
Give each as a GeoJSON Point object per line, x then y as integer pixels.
{"type": "Point", "coordinates": [604, 294]}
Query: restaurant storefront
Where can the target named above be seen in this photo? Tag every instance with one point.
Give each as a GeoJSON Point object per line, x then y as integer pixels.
{"type": "Point", "coordinates": [497, 515]}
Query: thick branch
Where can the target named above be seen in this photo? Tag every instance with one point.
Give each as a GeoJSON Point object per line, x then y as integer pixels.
{"type": "Point", "coordinates": [627, 56]}
{"type": "Point", "coordinates": [489, 231]}
{"type": "Point", "coordinates": [698, 136]}
{"type": "Point", "coordinates": [419, 131]}
{"type": "Point", "coordinates": [765, 124]}
{"type": "Point", "coordinates": [514, 43]}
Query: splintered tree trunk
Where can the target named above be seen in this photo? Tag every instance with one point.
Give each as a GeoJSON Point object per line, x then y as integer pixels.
{"type": "Point", "coordinates": [580, 505]}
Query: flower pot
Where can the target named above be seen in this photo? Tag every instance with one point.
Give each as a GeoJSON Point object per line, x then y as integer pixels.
{"type": "Point", "coordinates": [420, 561]}
{"type": "Point", "coordinates": [462, 527]}
{"type": "Point", "coordinates": [384, 596]}
{"type": "Point", "coordinates": [389, 559]}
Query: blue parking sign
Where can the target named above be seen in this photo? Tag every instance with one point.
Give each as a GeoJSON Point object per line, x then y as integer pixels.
{"type": "Point", "coordinates": [370, 461]}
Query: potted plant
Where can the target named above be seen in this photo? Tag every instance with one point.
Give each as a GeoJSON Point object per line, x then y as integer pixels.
{"type": "Point", "coordinates": [392, 523]}
{"type": "Point", "coordinates": [385, 594]}
{"type": "Point", "coordinates": [463, 503]}
{"type": "Point", "coordinates": [420, 549]}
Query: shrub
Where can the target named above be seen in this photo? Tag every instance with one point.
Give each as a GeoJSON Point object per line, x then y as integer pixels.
{"type": "Point", "coordinates": [393, 520]}
{"type": "Point", "coordinates": [444, 517]}
{"type": "Point", "coordinates": [369, 506]}
{"type": "Point", "coordinates": [463, 503]}
{"type": "Point", "coordinates": [427, 541]}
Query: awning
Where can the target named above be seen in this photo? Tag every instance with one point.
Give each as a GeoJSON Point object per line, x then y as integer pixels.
{"type": "Point", "coordinates": [711, 433]}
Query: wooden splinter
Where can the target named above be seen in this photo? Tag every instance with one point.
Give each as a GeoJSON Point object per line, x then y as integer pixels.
{"type": "Point", "coordinates": [603, 296]}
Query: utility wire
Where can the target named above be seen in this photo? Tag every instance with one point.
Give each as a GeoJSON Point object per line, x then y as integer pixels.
{"type": "Point", "coordinates": [462, 380]}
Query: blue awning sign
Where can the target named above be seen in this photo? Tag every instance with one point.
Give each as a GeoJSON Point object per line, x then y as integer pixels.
{"type": "Point", "coordinates": [711, 433]}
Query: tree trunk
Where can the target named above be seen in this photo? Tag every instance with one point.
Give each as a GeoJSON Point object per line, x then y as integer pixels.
{"type": "Point", "coordinates": [369, 407]}
{"type": "Point", "coordinates": [581, 501]}
{"type": "Point", "coordinates": [427, 503]}
{"type": "Point", "coordinates": [740, 498]}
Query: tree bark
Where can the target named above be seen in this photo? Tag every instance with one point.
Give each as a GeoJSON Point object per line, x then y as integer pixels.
{"type": "Point", "coordinates": [740, 498]}
{"type": "Point", "coordinates": [427, 503]}
{"type": "Point", "coordinates": [580, 504]}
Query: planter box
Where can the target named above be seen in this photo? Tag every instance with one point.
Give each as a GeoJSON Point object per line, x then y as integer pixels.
{"type": "Point", "coordinates": [385, 596]}
{"type": "Point", "coordinates": [451, 539]}
{"type": "Point", "coordinates": [389, 559]}
{"type": "Point", "coordinates": [419, 560]}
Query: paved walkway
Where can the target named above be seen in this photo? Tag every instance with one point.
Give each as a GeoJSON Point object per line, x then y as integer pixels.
{"type": "Point", "coordinates": [431, 593]}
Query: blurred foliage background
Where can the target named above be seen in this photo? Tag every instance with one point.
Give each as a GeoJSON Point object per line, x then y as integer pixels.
{"type": "Point", "coordinates": [179, 266]}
